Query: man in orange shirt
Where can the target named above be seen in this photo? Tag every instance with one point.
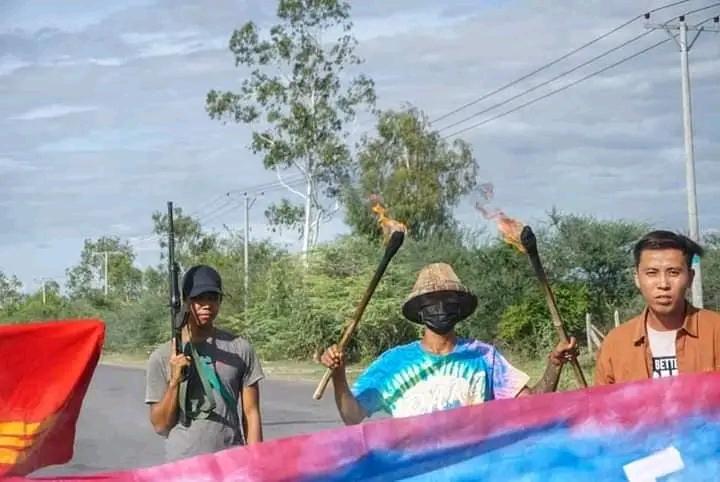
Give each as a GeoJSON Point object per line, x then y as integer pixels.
{"type": "Point", "coordinates": [670, 336]}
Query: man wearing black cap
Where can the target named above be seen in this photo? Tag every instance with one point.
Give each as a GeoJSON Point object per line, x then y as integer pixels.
{"type": "Point", "coordinates": [440, 371]}
{"type": "Point", "coordinates": [207, 398]}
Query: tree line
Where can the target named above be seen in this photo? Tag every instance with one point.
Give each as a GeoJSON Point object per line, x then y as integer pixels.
{"type": "Point", "coordinates": [296, 309]}
{"type": "Point", "coordinates": [301, 94]}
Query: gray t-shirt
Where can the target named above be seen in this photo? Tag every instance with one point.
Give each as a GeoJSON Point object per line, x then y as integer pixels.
{"type": "Point", "coordinates": [236, 365]}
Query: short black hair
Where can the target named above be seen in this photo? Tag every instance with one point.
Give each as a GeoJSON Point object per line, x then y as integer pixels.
{"type": "Point", "coordinates": [667, 240]}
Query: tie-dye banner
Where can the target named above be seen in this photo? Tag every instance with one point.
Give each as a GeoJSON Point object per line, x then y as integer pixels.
{"type": "Point", "coordinates": [663, 430]}
{"type": "Point", "coordinates": [45, 370]}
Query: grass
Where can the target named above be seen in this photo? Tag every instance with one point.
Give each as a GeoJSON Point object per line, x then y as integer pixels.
{"type": "Point", "coordinates": [284, 370]}
{"type": "Point", "coordinates": [136, 359]}
{"type": "Point", "coordinates": [308, 371]}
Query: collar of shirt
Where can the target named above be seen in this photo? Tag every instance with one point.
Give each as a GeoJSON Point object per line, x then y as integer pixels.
{"type": "Point", "coordinates": [689, 325]}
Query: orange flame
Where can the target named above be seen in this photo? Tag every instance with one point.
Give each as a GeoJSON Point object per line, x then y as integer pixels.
{"type": "Point", "coordinates": [387, 224]}
{"type": "Point", "coordinates": [509, 228]}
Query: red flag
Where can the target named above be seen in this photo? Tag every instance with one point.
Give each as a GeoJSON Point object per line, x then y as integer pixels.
{"type": "Point", "coordinates": [45, 370]}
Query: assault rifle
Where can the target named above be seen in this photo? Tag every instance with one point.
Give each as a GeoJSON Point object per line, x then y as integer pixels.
{"type": "Point", "coordinates": [176, 317]}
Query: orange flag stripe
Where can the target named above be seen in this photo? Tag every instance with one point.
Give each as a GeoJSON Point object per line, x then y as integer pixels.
{"type": "Point", "coordinates": [21, 428]}
{"type": "Point", "coordinates": [12, 456]}
{"type": "Point", "coordinates": [16, 442]}
{"type": "Point", "coordinates": [17, 439]}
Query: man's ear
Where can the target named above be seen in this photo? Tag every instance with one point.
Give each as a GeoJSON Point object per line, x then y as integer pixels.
{"type": "Point", "coordinates": [636, 277]}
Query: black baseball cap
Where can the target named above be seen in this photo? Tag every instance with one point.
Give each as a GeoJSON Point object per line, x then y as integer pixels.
{"type": "Point", "coordinates": [201, 279]}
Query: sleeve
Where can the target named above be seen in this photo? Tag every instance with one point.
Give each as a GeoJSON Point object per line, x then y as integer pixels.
{"type": "Point", "coordinates": [368, 387]}
{"type": "Point", "coordinates": [603, 366]}
{"type": "Point", "coordinates": [506, 381]}
{"type": "Point", "coordinates": [156, 378]}
{"type": "Point", "coordinates": [254, 372]}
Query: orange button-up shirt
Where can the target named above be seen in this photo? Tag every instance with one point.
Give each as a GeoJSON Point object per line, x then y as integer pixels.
{"type": "Point", "coordinates": [625, 353]}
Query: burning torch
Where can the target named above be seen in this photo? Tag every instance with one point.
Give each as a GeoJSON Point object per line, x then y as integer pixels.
{"type": "Point", "coordinates": [523, 239]}
{"type": "Point", "coordinates": [394, 235]}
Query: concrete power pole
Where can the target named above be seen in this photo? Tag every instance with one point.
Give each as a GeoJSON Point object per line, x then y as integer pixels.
{"type": "Point", "coordinates": [106, 254]}
{"type": "Point", "coordinates": [248, 204]}
{"type": "Point", "coordinates": [44, 287]}
{"type": "Point", "coordinates": [684, 45]}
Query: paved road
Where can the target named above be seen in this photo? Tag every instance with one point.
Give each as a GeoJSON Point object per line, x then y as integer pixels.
{"type": "Point", "coordinates": [114, 433]}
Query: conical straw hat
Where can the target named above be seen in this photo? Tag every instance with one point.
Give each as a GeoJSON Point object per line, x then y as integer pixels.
{"type": "Point", "coordinates": [438, 281]}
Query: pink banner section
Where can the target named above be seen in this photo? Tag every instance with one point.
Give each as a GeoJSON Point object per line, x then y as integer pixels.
{"type": "Point", "coordinates": [606, 433]}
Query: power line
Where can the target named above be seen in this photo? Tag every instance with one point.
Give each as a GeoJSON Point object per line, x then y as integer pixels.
{"type": "Point", "coordinates": [269, 186]}
{"type": "Point", "coordinates": [553, 62]}
{"type": "Point", "coordinates": [553, 92]}
{"type": "Point", "coordinates": [230, 205]}
{"type": "Point", "coordinates": [567, 72]}
{"type": "Point", "coordinates": [207, 204]}
{"type": "Point", "coordinates": [703, 9]}
{"type": "Point", "coordinates": [264, 187]}
{"type": "Point", "coordinates": [207, 210]}
{"type": "Point", "coordinates": [543, 84]}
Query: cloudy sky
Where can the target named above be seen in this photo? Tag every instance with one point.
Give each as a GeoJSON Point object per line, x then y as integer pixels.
{"type": "Point", "coordinates": [102, 114]}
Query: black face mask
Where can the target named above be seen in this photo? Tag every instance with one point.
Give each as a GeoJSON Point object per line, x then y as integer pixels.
{"type": "Point", "coordinates": [440, 317]}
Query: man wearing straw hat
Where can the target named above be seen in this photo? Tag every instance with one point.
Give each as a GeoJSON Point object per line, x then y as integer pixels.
{"type": "Point", "coordinates": [440, 371]}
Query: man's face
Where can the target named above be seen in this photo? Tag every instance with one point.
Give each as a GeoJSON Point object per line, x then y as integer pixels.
{"type": "Point", "coordinates": [663, 277]}
{"type": "Point", "coordinates": [205, 306]}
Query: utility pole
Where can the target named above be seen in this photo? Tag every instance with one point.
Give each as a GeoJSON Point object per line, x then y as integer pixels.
{"type": "Point", "coordinates": [44, 288]}
{"type": "Point", "coordinates": [248, 204]}
{"type": "Point", "coordinates": [684, 45]}
{"type": "Point", "coordinates": [106, 254]}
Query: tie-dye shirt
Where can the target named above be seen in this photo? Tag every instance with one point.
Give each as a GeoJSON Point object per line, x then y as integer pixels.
{"type": "Point", "coordinates": [407, 380]}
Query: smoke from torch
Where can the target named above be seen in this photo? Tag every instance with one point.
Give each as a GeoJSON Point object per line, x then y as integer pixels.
{"type": "Point", "coordinates": [509, 228]}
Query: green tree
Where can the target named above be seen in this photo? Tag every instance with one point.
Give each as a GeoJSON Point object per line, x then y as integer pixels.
{"type": "Point", "coordinates": [85, 280]}
{"type": "Point", "coordinates": [420, 176]}
{"type": "Point", "coordinates": [155, 281]}
{"type": "Point", "coordinates": [597, 253]}
{"type": "Point", "coordinates": [711, 271]}
{"type": "Point", "coordinates": [527, 326]}
{"type": "Point", "coordinates": [299, 98]}
{"type": "Point", "coordinates": [10, 291]}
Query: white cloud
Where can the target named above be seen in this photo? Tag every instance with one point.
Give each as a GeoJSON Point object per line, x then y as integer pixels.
{"type": "Point", "coordinates": [8, 165]}
{"type": "Point", "coordinates": [73, 62]}
{"type": "Point", "coordinates": [100, 140]}
{"type": "Point", "coordinates": [610, 147]}
{"type": "Point", "coordinates": [52, 111]}
{"type": "Point", "coordinates": [158, 44]}
{"type": "Point", "coordinates": [9, 64]}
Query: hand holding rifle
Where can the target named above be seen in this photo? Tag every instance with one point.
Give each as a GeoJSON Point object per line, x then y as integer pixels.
{"type": "Point", "coordinates": [178, 362]}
